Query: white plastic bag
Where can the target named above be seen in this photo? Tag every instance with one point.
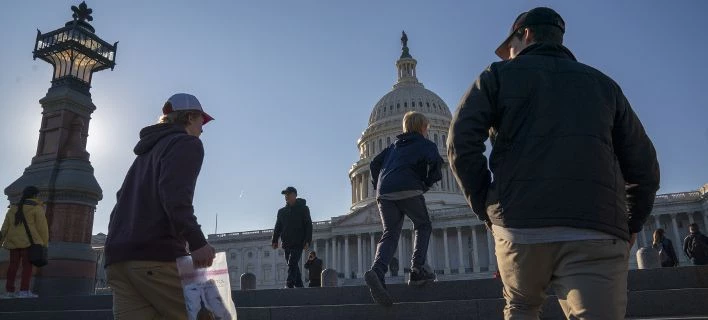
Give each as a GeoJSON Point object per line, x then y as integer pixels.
{"type": "Point", "coordinates": [207, 291]}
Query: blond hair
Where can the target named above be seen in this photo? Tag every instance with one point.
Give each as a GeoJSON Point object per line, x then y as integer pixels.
{"type": "Point", "coordinates": [414, 121]}
{"type": "Point", "coordinates": [178, 117]}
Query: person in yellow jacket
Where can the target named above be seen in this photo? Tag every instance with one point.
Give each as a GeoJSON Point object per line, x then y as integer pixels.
{"type": "Point", "coordinates": [13, 236]}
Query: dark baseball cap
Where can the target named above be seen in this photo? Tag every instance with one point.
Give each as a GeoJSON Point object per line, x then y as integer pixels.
{"type": "Point", "coordinates": [289, 190]}
{"type": "Point", "coordinates": [535, 16]}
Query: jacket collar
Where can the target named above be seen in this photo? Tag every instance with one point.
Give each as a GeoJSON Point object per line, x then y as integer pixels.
{"type": "Point", "coordinates": [548, 49]}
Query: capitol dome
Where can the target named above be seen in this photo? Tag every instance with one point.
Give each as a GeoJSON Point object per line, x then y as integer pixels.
{"type": "Point", "coordinates": [408, 94]}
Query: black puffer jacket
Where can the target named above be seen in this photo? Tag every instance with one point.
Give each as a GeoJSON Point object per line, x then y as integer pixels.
{"type": "Point", "coordinates": [294, 225]}
{"type": "Point", "coordinates": [567, 148]}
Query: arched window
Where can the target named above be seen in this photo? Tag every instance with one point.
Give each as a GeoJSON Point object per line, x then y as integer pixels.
{"type": "Point", "coordinates": [420, 104]}
{"type": "Point", "coordinates": [388, 141]}
{"type": "Point", "coordinates": [435, 136]}
{"type": "Point", "coordinates": [398, 106]}
{"type": "Point", "coordinates": [444, 142]}
{"type": "Point", "coordinates": [405, 104]}
{"type": "Point", "coordinates": [380, 145]}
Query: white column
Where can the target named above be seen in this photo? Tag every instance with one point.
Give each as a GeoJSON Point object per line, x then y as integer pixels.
{"type": "Point", "coordinates": [334, 254]}
{"type": "Point", "coordinates": [447, 255]}
{"type": "Point", "coordinates": [644, 238]}
{"type": "Point", "coordinates": [459, 251]}
{"type": "Point", "coordinates": [274, 271]}
{"type": "Point", "coordinates": [490, 251]}
{"type": "Point", "coordinates": [314, 246]}
{"type": "Point", "coordinates": [690, 217]}
{"type": "Point", "coordinates": [372, 247]}
{"type": "Point", "coordinates": [347, 268]}
{"type": "Point", "coordinates": [360, 264]}
{"type": "Point", "coordinates": [432, 262]}
{"type": "Point", "coordinates": [475, 249]}
{"type": "Point", "coordinates": [400, 253]}
{"type": "Point", "coordinates": [259, 266]}
{"type": "Point", "coordinates": [675, 227]}
{"type": "Point", "coordinates": [657, 222]}
{"type": "Point", "coordinates": [328, 261]}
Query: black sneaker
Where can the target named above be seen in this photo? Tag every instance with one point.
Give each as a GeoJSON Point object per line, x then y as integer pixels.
{"type": "Point", "coordinates": [420, 276]}
{"type": "Point", "coordinates": [378, 289]}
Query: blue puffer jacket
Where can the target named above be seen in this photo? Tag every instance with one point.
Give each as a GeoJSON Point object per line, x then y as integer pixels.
{"type": "Point", "coordinates": [412, 162]}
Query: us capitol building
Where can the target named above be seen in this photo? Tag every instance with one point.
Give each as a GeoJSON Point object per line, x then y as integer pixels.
{"type": "Point", "coordinates": [460, 246]}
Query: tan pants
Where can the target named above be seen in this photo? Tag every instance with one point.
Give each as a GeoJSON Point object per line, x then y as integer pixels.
{"type": "Point", "coordinates": [589, 277]}
{"type": "Point", "coordinates": [146, 290]}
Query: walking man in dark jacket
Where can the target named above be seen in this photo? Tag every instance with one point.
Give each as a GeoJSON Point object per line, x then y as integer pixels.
{"type": "Point", "coordinates": [695, 245]}
{"type": "Point", "coordinates": [294, 229]}
{"type": "Point", "coordinates": [575, 174]}
{"type": "Point", "coordinates": [401, 173]}
{"type": "Point", "coordinates": [153, 220]}
{"type": "Point", "coordinates": [314, 266]}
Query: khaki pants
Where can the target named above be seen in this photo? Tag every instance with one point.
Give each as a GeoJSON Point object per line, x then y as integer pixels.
{"type": "Point", "coordinates": [146, 290]}
{"type": "Point", "coordinates": [589, 277]}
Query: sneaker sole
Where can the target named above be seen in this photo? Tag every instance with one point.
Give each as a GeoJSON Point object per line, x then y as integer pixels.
{"type": "Point", "coordinates": [420, 283]}
{"type": "Point", "coordinates": [378, 293]}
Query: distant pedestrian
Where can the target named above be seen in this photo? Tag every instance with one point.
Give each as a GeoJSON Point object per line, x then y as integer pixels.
{"type": "Point", "coordinates": [294, 228]}
{"type": "Point", "coordinates": [153, 220]}
{"type": "Point", "coordinates": [571, 177]}
{"type": "Point", "coordinates": [401, 174]}
{"type": "Point", "coordinates": [695, 246]}
{"type": "Point", "coordinates": [667, 254]}
{"type": "Point", "coordinates": [314, 267]}
{"type": "Point", "coordinates": [24, 219]}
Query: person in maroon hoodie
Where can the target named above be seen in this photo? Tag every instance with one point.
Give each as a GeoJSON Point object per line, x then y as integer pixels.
{"type": "Point", "coordinates": [153, 221]}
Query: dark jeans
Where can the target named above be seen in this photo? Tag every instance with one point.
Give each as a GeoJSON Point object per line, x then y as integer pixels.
{"type": "Point", "coordinates": [393, 213]}
{"type": "Point", "coordinates": [292, 256]}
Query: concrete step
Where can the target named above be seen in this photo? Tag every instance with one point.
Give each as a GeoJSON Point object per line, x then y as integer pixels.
{"type": "Point", "coordinates": [97, 302]}
{"type": "Point", "coordinates": [650, 304]}
{"type": "Point", "coordinates": [58, 315]}
{"type": "Point", "coordinates": [639, 280]}
{"type": "Point", "coordinates": [660, 304]}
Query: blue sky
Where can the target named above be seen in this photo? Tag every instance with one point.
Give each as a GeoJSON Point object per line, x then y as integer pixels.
{"type": "Point", "coordinates": [292, 84]}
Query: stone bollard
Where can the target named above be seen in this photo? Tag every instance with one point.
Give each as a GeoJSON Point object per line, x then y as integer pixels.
{"type": "Point", "coordinates": [248, 281]}
{"type": "Point", "coordinates": [329, 278]}
{"type": "Point", "coordinates": [648, 258]}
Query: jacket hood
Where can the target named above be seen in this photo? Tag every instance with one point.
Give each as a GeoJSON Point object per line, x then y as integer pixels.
{"type": "Point", "coordinates": [298, 202]}
{"type": "Point", "coordinates": [149, 136]}
{"type": "Point", "coordinates": [407, 138]}
{"type": "Point", "coordinates": [548, 49]}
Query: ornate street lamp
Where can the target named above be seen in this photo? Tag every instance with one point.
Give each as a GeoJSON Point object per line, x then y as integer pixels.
{"type": "Point", "coordinates": [61, 168]}
{"type": "Point", "coordinates": [75, 51]}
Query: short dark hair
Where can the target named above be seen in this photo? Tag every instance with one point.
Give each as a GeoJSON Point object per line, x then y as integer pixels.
{"type": "Point", "coordinates": [312, 252]}
{"type": "Point", "coordinates": [694, 226]}
{"type": "Point", "coordinates": [543, 33]}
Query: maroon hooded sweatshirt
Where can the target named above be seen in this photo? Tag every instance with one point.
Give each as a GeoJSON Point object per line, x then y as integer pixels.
{"type": "Point", "coordinates": [153, 218]}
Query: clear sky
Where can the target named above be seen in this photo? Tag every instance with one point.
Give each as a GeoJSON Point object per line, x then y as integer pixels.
{"type": "Point", "coordinates": [292, 83]}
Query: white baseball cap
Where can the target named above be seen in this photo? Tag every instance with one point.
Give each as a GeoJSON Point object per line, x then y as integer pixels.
{"type": "Point", "coordinates": [185, 101]}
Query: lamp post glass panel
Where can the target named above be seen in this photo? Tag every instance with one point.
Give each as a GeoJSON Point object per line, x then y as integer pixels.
{"type": "Point", "coordinates": [75, 50]}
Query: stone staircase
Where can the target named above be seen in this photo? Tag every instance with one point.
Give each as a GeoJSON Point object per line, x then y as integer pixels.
{"type": "Point", "coordinates": [675, 293]}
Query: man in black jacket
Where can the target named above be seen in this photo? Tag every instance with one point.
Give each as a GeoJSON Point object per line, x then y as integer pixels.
{"type": "Point", "coordinates": [294, 228]}
{"type": "Point", "coordinates": [314, 266]}
{"type": "Point", "coordinates": [575, 174]}
{"type": "Point", "coordinates": [695, 245]}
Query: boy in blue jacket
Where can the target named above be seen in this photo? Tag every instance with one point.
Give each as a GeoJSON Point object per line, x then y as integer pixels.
{"type": "Point", "coordinates": [401, 174]}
